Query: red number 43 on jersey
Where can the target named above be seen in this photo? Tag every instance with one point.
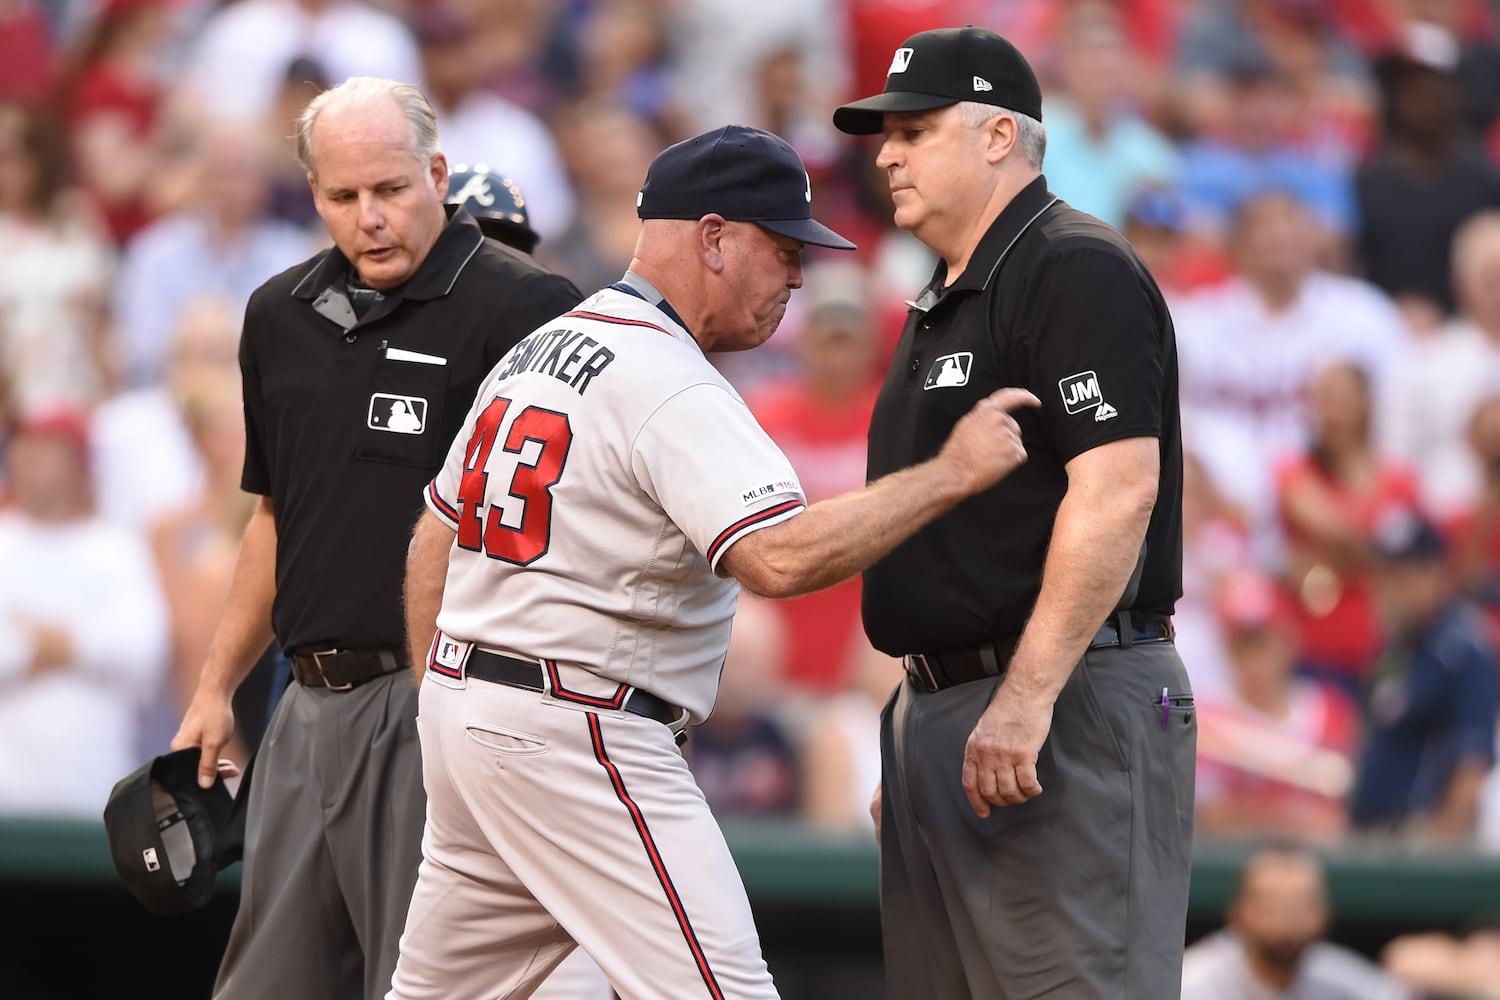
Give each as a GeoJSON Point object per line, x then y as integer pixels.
{"type": "Point", "coordinates": [479, 525]}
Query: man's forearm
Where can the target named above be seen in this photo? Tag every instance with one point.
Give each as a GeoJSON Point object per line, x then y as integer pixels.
{"type": "Point", "coordinates": [244, 629]}
{"type": "Point", "coordinates": [426, 572]}
{"type": "Point", "coordinates": [835, 539]}
{"type": "Point", "coordinates": [1096, 541]}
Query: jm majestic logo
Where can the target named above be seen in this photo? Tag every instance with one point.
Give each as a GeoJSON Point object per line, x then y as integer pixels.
{"type": "Point", "coordinates": [1081, 392]}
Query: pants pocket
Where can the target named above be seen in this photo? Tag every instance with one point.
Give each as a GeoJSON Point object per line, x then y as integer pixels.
{"type": "Point", "coordinates": [508, 742]}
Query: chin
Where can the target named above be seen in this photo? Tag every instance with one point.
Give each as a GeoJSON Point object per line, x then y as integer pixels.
{"type": "Point", "coordinates": [384, 275]}
{"type": "Point", "coordinates": [907, 218]}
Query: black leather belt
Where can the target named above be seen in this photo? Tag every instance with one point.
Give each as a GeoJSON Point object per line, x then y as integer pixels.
{"type": "Point", "coordinates": [342, 669]}
{"type": "Point", "coordinates": [936, 671]}
{"type": "Point", "coordinates": [497, 668]}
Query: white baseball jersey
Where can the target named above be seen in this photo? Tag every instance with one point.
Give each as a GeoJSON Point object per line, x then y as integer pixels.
{"type": "Point", "coordinates": [602, 472]}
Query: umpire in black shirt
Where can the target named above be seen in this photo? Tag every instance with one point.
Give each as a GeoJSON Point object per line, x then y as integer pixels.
{"type": "Point", "coordinates": [359, 366]}
{"type": "Point", "coordinates": [1036, 819]}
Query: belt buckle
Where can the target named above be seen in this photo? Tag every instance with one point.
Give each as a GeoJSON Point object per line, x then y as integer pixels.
{"type": "Point", "coordinates": [323, 675]}
{"type": "Point", "coordinates": [918, 667]}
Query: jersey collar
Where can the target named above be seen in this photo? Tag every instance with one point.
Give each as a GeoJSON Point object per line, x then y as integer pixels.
{"type": "Point", "coordinates": [634, 284]}
{"type": "Point", "coordinates": [1024, 209]}
{"type": "Point", "coordinates": [456, 245]}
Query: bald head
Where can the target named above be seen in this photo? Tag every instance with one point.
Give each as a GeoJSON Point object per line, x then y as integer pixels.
{"type": "Point", "coordinates": [369, 98]}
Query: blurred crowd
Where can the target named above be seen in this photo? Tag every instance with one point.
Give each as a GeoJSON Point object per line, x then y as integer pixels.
{"type": "Point", "coordinates": [1314, 184]}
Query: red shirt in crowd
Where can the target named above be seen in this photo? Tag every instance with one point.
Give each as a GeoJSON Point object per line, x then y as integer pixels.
{"type": "Point", "coordinates": [1337, 618]}
{"type": "Point", "coordinates": [826, 444]}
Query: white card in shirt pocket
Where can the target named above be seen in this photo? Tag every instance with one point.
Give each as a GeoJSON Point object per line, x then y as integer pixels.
{"type": "Point", "coordinates": [398, 354]}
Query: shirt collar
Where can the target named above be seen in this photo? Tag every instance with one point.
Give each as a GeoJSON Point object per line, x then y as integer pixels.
{"type": "Point", "coordinates": [455, 247]}
{"type": "Point", "coordinates": [1014, 220]}
{"type": "Point", "coordinates": [634, 284]}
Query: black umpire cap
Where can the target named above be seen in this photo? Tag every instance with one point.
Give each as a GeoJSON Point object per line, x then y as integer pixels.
{"type": "Point", "coordinates": [168, 836]}
{"type": "Point", "coordinates": [933, 69]}
{"type": "Point", "coordinates": [744, 174]}
{"type": "Point", "coordinates": [496, 204]}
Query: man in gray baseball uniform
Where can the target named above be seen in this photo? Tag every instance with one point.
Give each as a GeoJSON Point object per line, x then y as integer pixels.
{"type": "Point", "coordinates": [581, 556]}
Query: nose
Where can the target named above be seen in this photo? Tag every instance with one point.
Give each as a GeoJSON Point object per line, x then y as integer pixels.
{"type": "Point", "coordinates": [794, 274]}
{"type": "Point", "coordinates": [370, 219]}
{"type": "Point", "coordinates": [886, 158]}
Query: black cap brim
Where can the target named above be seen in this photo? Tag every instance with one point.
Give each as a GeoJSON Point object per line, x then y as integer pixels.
{"type": "Point", "coordinates": [808, 231]}
{"type": "Point", "coordinates": [867, 117]}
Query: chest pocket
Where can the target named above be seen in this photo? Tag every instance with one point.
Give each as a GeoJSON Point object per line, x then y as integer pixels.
{"type": "Point", "coordinates": [403, 414]}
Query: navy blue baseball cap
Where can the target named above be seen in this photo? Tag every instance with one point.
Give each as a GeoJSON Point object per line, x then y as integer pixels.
{"type": "Point", "coordinates": [933, 69]}
{"type": "Point", "coordinates": [744, 174]}
{"type": "Point", "coordinates": [496, 204]}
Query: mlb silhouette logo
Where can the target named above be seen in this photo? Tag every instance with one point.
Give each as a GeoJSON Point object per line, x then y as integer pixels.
{"type": "Point", "coordinates": [153, 864]}
{"type": "Point", "coordinates": [449, 653]}
{"type": "Point", "coordinates": [949, 370]}
{"type": "Point", "coordinates": [397, 414]}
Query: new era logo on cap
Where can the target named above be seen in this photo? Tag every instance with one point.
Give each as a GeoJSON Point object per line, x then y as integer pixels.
{"type": "Point", "coordinates": [981, 84]}
{"type": "Point", "coordinates": [899, 61]}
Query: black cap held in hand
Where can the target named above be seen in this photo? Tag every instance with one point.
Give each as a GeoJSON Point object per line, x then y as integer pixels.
{"type": "Point", "coordinates": [744, 174]}
{"type": "Point", "coordinates": [169, 837]}
{"type": "Point", "coordinates": [933, 69]}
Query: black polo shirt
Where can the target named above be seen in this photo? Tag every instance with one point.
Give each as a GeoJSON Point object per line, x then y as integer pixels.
{"type": "Point", "coordinates": [348, 419]}
{"type": "Point", "coordinates": [1056, 302]}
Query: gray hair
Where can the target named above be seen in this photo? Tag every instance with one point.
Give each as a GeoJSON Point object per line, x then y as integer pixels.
{"type": "Point", "coordinates": [366, 92]}
{"type": "Point", "coordinates": [1031, 135]}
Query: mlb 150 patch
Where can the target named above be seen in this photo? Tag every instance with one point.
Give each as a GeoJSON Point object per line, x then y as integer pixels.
{"type": "Point", "coordinates": [397, 414]}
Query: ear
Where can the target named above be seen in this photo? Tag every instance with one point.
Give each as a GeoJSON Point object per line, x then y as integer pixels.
{"type": "Point", "coordinates": [1000, 135]}
{"type": "Point", "coordinates": [438, 170]}
{"type": "Point", "coordinates": [711, 232]}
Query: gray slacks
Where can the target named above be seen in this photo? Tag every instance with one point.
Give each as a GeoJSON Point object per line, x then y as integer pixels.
{"type": "Point", "coordinates": [332, 843]}
{"type": "Point", "coordinates": [1077, 894]}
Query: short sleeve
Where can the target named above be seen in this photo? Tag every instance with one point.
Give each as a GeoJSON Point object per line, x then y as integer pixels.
{"type": "Point", "coordinates": [702, 457]}
{"type": "Point", "coordinates": [255, 474]}
{"type": "Point", "coordinates": [1098, 350]}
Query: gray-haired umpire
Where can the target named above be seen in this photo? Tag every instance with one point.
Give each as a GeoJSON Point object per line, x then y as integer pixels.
{"type": "Point", "coordinates": [1036, 820]}
{"type": "Point", "coordinates": [359, 366]}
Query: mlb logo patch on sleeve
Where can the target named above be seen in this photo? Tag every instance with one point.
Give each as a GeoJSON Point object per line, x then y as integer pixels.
{"type": "Point", "coordinates": [397, 414]}
{"type": "Point", "coordinates": [1081, 392]}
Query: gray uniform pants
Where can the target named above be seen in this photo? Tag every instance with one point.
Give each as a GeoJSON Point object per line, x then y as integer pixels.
{"type": "Point", "coordinates": [332, 843]}
{"type": "Point", "coordinates": [1077, 894]}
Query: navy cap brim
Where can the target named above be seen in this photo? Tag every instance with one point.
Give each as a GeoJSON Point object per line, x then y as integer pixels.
{"type": "Point", "coordinates": [867, 117]}
{"type": "Point", "coordinates": [809, 231]}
